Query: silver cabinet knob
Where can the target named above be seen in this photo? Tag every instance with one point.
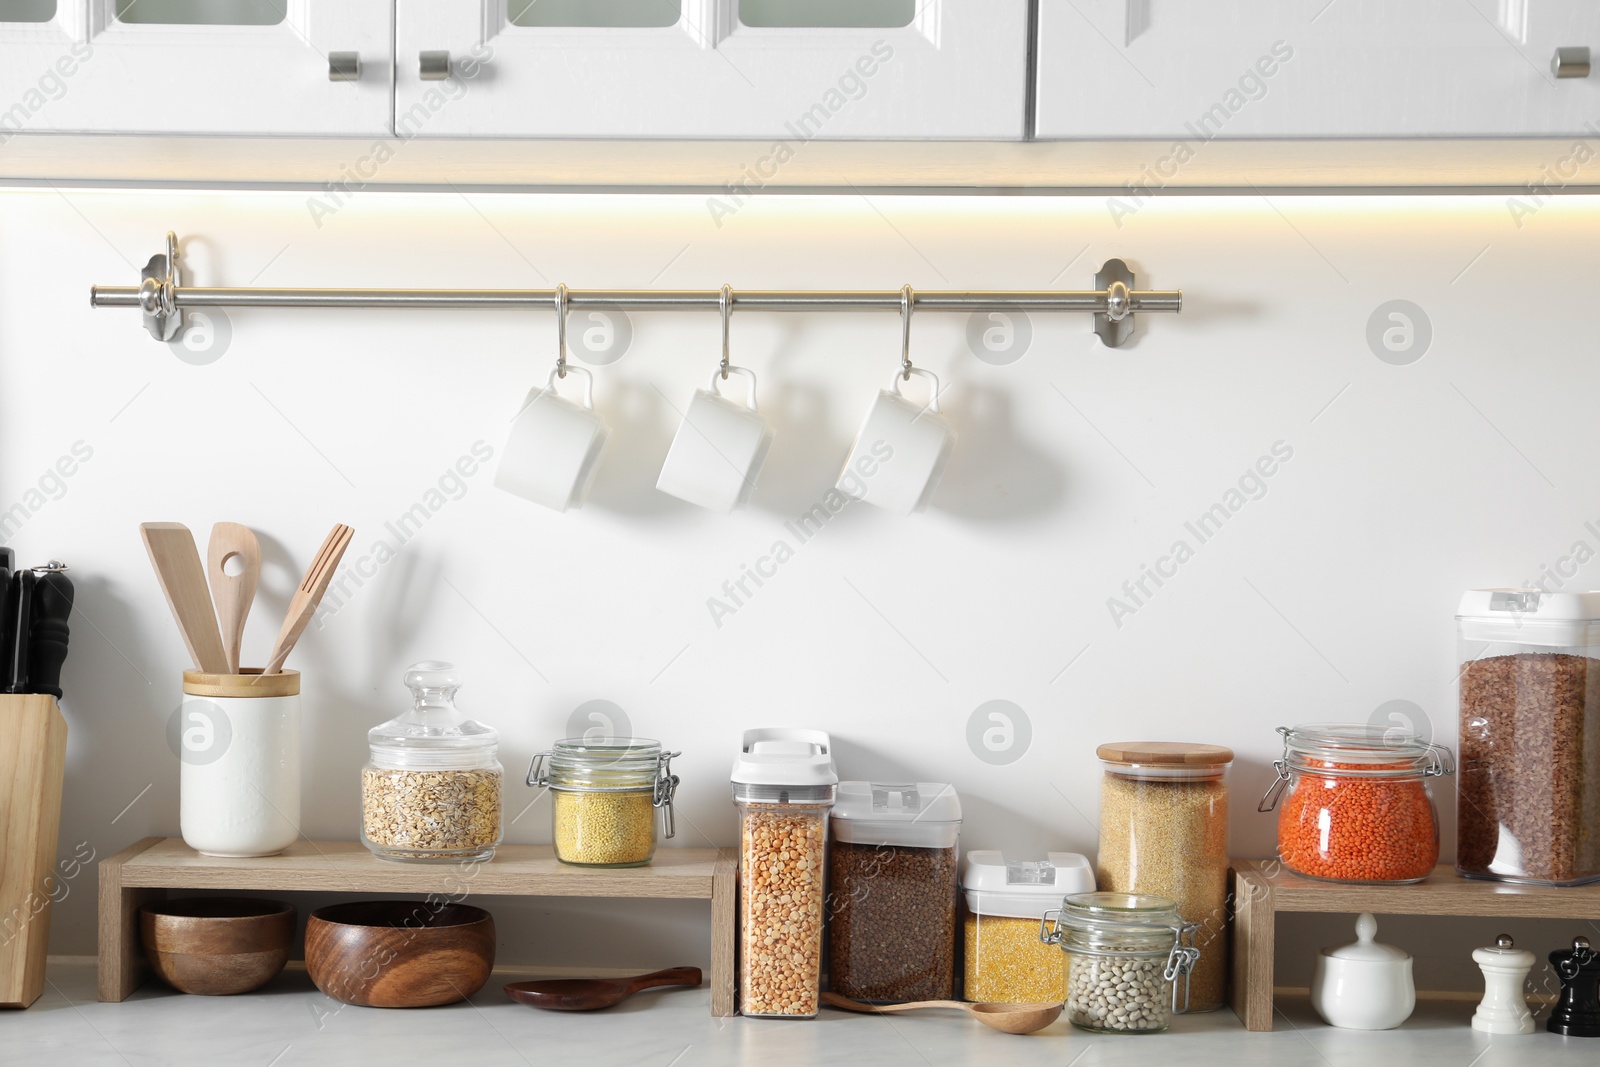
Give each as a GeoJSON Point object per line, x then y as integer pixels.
{"type": "Point", "coordinates": [344, 66]}
{"type": "Point", "coordinates": [433, 66]}
{"type": "Point", "coordinates": [1570, 63]}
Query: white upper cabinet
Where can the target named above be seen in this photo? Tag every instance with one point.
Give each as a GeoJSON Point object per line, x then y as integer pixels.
{"type": "Point", "coordinates": [782, 69]}
{"type": "Point", "coordinates": [1312, 68]}
{"type": "Point", "coordinates": [195, 66]}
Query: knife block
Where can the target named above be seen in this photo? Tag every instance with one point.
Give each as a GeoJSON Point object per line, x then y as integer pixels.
{"type": "Point", "coordinates": [33, 752]}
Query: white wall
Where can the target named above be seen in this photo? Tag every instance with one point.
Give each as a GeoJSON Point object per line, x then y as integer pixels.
{"type": "Point", "coordinates": [1324, 599]}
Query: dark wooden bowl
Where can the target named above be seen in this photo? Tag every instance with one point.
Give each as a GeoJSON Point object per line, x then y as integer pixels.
{"type": "Point", "coordinates": [399, 953]}
{"type": "Point", "coordinates": [216, 946]}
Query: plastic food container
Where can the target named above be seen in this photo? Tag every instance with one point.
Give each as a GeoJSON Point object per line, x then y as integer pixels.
{"type": "Point", "coordinates": [1164, 830]}
{"type": "Point", "coordinates": [1006, 963]}
{"type": "Point", "coordinates": [431, 791]}
{"type": "Point", "coordinates": [783, 784]}
{"type": "Point", "coordinates": [892, 887]}
{"type": "Point", "coordinates": [1125, 953]}
{"type": "Point", "coordinates": [1356, 802]}
{"type": "Point", "coordinates": [1528, 792]}
{"type": "Point", "coordinates": [604, 795]}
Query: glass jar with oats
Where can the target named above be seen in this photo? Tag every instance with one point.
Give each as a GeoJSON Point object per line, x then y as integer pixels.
{"type": "Point", "coordinates": [431, 791]}
{"type": "Point", "coordinates": [1164, 831]}
{"type": "Point", "coordinates": [604, 792]}
{"type": "Point", "coordinates": [784, 784]}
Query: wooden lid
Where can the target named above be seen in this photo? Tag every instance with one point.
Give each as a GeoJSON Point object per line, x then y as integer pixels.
{"type": "Point", "coordinates": [250, 682]}
{"type": "Point", "coordinates": [1165, 753]}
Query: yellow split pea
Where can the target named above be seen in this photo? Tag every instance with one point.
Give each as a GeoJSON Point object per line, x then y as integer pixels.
{"type": "Point", "coordinates": [605, 829]}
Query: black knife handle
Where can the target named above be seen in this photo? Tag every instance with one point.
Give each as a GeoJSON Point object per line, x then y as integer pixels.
{"type": "Point", "coordinates": [52, 604]}
{"type": "Point", "coordinates": [19, 623]}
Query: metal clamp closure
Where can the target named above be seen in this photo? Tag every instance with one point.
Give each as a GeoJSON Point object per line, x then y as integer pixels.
{"type": "Point", "coordinates": [1052, 918]}
{"type": "Point", "coordinates": [539, 770]}
{"type": "Point", "coordinates": [665, 788]}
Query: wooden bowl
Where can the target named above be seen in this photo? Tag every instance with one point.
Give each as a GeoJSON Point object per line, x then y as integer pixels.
{"type": "Point", "coordinates": [399, 953]}
{"type": "Point", "coordinates": [216, 946]}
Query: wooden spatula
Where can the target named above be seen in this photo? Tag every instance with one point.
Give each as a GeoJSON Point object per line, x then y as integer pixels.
{"type": "Point", "coordinates": [233, 593]}
{"type": "Point", "coordinates": [309, 594]}
{"type": "Point", "coordinates": [183, 579]}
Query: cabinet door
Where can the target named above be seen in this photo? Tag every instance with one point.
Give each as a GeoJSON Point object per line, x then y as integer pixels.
{"type": "Point", "coordinates": [786, 69]}
{"type": "Point", "coordinates": [193, 66]}
{"type": "Point", "coordinates": [1312, 68]}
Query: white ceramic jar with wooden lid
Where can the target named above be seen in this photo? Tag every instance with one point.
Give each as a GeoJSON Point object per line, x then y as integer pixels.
{"type": "Point", "coordinates": [238, 739]}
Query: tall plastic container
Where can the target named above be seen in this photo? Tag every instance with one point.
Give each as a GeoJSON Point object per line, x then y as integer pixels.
{"type": "Point", "coordinates": [892, 885]}
{"type": "Point", "coordinates": [784, 783]}
{"type": "Point", "coordinates": [1528, 788]}
{"type": "Point", "coordinates": [1007, 900]}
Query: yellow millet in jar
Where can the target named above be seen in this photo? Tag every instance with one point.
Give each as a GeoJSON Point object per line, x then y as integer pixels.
{"type": "Point", "coordinates": [595, 829]}
{"type": "Point", "coordinates": [1008, 964]}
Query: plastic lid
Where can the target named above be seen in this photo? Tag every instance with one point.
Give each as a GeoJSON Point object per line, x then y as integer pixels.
{"type": "Point", "coordinates": [1165, 759]}
{"type": "Point", "coordinates": [1364, 948]}
{"type": "Point", "coordinates": [912, 814]}
{"type": "Point", "coordinates": [781, 756]}
{"type": "Point", "coordinates": [1022, 887]}
{"type": "Point", "coordinates": [780, 765]}
{"type": "Point", "coordinates": [1527, 616]}
{"type": "Point", "coordinates": [433, 733]}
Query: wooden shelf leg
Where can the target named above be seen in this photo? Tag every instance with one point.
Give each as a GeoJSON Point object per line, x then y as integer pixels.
{"type": "Point", "coordinates": [724, 932]}
{"type": "Point", "coordinates": [1250, 991]}
{"type": "Point", "coordinates": [122, 964]}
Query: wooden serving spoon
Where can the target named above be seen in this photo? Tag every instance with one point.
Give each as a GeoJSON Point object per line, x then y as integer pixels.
{"type": "Point", "coordinates": [587, 994]}
{"type": "Point", "coordinates": [1007, 1018]}
{"type": "Point", "coordinates": [233, 593]}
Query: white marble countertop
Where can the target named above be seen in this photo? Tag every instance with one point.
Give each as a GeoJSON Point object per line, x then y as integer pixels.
{"type": "Point", "coordinates": [290, 1023]}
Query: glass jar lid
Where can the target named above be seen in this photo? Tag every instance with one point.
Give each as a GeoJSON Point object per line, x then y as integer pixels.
{"type": "Point", "coordinates": [1365, 750]}
{"type": "Point", "coordinates": [600, 763]}
{"type": "Point", "coordinates": [1111, 912]}
{"type": "Point", "coordinates": [433, 733]}
{"type": "Point", "coordinates": [1165, 759]}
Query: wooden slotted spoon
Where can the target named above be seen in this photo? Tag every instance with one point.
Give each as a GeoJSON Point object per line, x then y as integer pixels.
{"type": "Point", "coordinates": [1007, 1018]}
{"type": "Point", "coordinates": [233, 593]}
{"type": "Point", "coordinates": [309, 594]}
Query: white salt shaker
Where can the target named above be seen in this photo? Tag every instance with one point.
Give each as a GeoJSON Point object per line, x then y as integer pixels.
{"type": "Point", "coordinates": [1505, 968]}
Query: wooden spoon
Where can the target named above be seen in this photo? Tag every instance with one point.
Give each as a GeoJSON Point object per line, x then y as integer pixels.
{"type": "Point", "coordinates": [233, 593]}
{"type": "Point", "coordinates": [309, 594]}
{"type": "Point", "coordinates": [183, 579]}
{"type": "Point", "coordinates": [587, 994]}
{"type": "Point", "coordinates": [1007, 1018]}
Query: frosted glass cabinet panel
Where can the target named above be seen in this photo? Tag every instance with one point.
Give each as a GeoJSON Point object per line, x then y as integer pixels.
{"type": "Point", "coordinates": [1312, 68]}
{"type": "Point", "coordinates": [781, 69]}
{"type": "Point", "coordinates": [193, 66]}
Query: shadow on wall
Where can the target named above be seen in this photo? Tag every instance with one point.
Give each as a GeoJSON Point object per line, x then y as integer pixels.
{"type": "Point", "coordinates": [995, 475]}
{"type": "Point", "coordinates": [805, 458]}
{"type": "Point", "coordinates": [642, 423]}
{"type": "Point", "coordinates": [116, 726]}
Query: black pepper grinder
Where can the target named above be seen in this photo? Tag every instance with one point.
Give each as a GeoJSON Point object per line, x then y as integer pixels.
{"type": "Point", "coordinates": [1577, 1012]}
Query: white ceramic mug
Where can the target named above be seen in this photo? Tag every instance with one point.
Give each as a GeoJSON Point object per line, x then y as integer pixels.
{"type": "Point", "coordinates": [900, 452]}
{"type": "Point", "coordinates": [554, 447]}
{"type": "Point", "coordinates": [238, 737]}
{"type": "Point", "coordinates": [717, 453]}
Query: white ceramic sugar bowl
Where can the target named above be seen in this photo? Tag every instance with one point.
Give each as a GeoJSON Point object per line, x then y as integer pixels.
{"type": "Point", "coordinates": [1364, 985]}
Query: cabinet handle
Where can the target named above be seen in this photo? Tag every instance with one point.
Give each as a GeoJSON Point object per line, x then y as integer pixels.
{"type": "Point", "coordinates": [1570, 63]}
{"type": "Point", "coordinates": [433, 66]}
{"type": "Point", "coordinates": [344, 66]}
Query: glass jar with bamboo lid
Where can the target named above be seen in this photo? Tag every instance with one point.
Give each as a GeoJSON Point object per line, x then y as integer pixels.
{"type": "Point", "coordinates": [1164, 830]}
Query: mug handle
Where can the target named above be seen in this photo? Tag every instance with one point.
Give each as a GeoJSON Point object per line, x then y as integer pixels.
{"type": "Point", "coordinates": [933, 400]}
{"type": "Point", "coordinates": [750, 400]}
{"type": "Point", "coordinates": [588, 384]}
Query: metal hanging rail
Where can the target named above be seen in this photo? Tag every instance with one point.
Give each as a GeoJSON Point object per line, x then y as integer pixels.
{"type": "Point", "coordinates": [163, 298]}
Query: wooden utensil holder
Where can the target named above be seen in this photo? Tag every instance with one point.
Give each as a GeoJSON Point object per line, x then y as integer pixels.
{"type": "Point", "coordinates": [33, 753]}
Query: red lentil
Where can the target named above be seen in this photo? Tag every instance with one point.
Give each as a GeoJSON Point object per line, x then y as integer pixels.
{"type": "Point", "coordinates": [1358, 829]}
